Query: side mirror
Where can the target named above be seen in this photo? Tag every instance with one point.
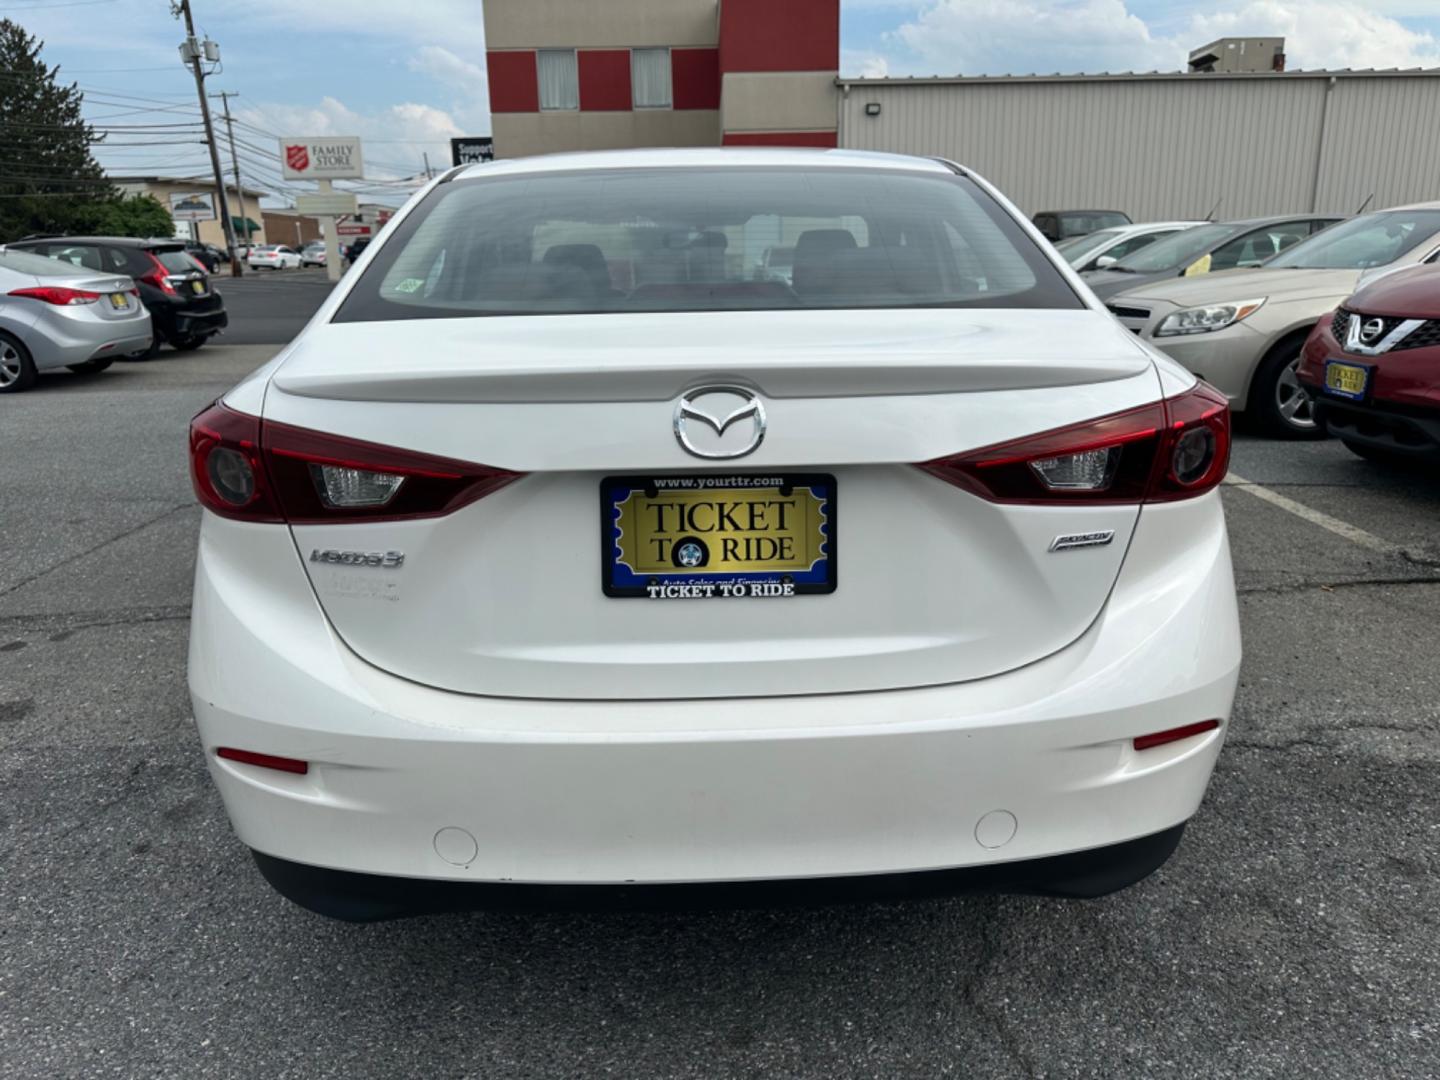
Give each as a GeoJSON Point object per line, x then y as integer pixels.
{"type": "Point", "coordinates": [1104, 262]}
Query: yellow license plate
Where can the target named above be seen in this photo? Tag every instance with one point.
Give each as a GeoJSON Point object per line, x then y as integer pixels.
{"type": "Point", "coordinates": [198, 288]}
{"type": "Point", "coordinates": [718, 537]}
{"type": "Point", "coordinates": [119, 301]}
{"type": "Point", "coordinates": [1346, 380]}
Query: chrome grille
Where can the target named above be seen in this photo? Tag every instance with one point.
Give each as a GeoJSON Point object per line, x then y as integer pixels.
{"type": "Point", "coordinates": [1424, 336]}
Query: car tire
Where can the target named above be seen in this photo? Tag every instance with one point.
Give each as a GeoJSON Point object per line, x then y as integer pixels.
{"type": "Point", "coordinates": [1391, 459]}
{"type": "Point", "coordinates": [1280, 405]}
{"type": "Point", "coordinates": [91, 367]}
{"type": "Point", "coordinates": [17, 367]}
{"type": "Point", "coordinates": [188, 343]}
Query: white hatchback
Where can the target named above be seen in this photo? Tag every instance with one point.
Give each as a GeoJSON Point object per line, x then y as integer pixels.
{"type": "Point", "coordinates": [560, 559]}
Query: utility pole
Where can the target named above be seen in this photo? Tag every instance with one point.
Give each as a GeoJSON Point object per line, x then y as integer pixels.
{"type": "Point", "coordinates": [426, 155]}
{"type": "Point", "coordinates": [225, 96]}
{"type": "Point", "coordinates": [193, 54]}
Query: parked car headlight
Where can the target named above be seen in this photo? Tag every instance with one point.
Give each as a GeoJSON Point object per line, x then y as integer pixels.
{"type": "Point", "coordinates": [1202, 320]}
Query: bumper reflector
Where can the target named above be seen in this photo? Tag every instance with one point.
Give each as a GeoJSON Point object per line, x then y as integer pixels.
{"type": "Point", "coordinates": [264, 761]}
{"type": "Point", "coordinates": [1160, 738]}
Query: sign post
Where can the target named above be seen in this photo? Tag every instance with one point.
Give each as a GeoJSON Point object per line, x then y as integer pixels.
{"type": "Point", "coordinates": [323, 159]}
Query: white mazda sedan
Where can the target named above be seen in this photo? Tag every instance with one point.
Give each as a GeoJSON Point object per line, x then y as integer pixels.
{"type": "Point", "coordinates": [561, 560]}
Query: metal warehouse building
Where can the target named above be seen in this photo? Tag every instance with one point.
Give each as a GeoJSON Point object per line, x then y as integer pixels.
{"type": "Point", "coordinates": [1169, 145]}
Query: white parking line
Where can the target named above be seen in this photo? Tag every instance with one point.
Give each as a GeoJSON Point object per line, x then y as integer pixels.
{"type": "Point", "coordinates": [1350, 532]}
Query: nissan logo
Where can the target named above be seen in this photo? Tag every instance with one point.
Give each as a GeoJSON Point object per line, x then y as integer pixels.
{"type": "Point", "coordinates": [717, 410]}
{"type": "Point", "coordinates": [1371, 329]}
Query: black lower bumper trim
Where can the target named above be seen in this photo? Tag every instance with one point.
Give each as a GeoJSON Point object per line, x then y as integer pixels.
{"type": "Point", "coordinates": [342, 894]}
{"type": "Point", "coordinates": [1402, 433]}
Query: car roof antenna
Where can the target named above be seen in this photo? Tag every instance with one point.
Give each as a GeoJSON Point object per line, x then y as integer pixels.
{"type": "Point", "coordinates": [1211, 215]}
{"type": "Point", "coordinates": [1365, 203]}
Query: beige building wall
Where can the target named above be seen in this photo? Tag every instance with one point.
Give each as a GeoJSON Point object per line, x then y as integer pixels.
{"type": "Point", "coordinates": [524, 134]}
{"type": "Point", "coordinates": [600, 24]}
{"type": "Point", "coordinates": [210, 232]}
{"type": "Point", "coordinates": [778, 101]}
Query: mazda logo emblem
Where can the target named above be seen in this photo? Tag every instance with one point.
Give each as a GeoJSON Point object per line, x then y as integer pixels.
{"type": "Point", "coordinates": [705, 417]}
{"type": "Point", "coordinates": [1371, 329]}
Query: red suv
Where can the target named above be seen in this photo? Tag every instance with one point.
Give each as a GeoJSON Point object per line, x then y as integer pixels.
{"type": "Point", "coordinates": [1373, 368]}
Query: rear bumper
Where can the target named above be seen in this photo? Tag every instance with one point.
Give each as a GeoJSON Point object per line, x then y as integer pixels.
{"type": "Point", "coordinates": [370, 897]}
{"type": "Point", "coordinates": [415, 783]}
{"type": "Point", "coordinates": [206, 323]}
{"type": "Point", "coordinates": [1394, 429]}
{"type": "Point", "coordinates": [55, 341]}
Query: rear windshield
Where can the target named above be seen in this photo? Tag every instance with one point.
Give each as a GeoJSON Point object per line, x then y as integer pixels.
{"type": "Point", "coordinates": [1176, 251]}
{"type": "Point", "coordinates": [1078, 248]}
{"type": "Point", "coordinates": [1089, 221]}
{"type": "Point", "coordinates": [691, 239]}
{"type": "Point", "coordinates": [177, 261]}
{"type": "Point", "coordinates": [1362, 242]}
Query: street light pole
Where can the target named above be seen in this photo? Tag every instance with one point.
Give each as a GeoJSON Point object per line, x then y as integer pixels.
{"type": "Point", "coordinates": [225, 96]}
{"type": "Point", "coordinates": [192, 54]}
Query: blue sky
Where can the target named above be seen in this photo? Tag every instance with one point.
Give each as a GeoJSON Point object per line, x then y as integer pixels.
{"type": "Point", "coordinates": [407, 76]}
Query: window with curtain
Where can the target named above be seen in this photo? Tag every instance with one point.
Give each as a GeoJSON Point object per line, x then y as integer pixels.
{"type": "Point", "coordinates": [559, 80]}
{"type": "Point", "coordinates": [650, 78]}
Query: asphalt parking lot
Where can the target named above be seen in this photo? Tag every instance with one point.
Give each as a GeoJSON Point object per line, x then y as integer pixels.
{"type": "Point", "coordinates": [1295, 933]}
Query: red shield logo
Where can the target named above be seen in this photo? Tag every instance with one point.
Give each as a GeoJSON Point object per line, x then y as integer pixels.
{"type": "Point", "coordinates": [297, 157]}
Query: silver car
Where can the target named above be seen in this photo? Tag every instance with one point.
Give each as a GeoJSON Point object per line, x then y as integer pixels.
{"type": "Point", "coordinates": [55, 315]}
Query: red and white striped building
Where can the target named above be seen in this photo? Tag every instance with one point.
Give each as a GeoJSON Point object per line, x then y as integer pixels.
{"type": "Point", "coordinates": [598, 74]}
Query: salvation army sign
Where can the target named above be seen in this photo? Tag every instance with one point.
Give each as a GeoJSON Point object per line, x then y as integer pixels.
{"type": "Point", "coordinates": [324, 157]}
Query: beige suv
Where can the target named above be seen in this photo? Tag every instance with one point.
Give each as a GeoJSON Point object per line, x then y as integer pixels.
{"type": "Point", "coordinates": [1242, 330]}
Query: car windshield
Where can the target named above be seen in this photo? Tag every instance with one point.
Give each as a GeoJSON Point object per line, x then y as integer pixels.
{"type": "Point", "coordinates": [690, 239]}
{"type": "Point", "coordinates": [1362, 242]}
{"type": "Point", "coordinates": [1175, 251]}
{"type": "Point", "coordinates": [1077, 249]}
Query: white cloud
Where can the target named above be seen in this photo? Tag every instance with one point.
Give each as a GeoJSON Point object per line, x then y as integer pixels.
{"type": "Point", "coordinates": [470, 105]}
{"type": "Point", "coordinates": [863, 64]}
{"type": "Point", "coordinates": [1340, 34]}
{"type": "Point", "coordinates": [1021, 37]}
{"type": "Point", "coordinates": [444, 66]}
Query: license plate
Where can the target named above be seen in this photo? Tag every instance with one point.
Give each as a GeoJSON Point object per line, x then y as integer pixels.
{"type": "Point", "coordinates": [717, 537]}
{"type": "Point", "coordinates": [198, 288]}
{"type": "Point", "coordinates": [119, 301]}
{"type": "Point", "coordinates": [1346, 380]}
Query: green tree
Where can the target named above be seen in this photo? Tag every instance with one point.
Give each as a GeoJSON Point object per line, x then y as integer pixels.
{"type": "Point", "coordinates": [137, 215]}
{"type": "Point", "coordinates": [49, 180]}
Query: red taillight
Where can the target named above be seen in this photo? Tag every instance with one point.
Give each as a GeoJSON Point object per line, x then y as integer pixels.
{"type": "Point", "coordinates": [1161, 738]}
{"type": "Point", "coordinates": [264, 761]}
{"type": "Point", "coordinates": [1170, 450]}
{"type": "Point", "coordinates": [60, 297]}
{"type": "Point", "coordinates": [243, 468]}
{"type": "Point", "coordinates": [157, 275]}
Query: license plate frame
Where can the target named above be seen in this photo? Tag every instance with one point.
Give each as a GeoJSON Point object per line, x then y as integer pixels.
{"type": "Point", "coordinates": [1340, 391]}
{"type": "Point", "coordinates": [808, 518]}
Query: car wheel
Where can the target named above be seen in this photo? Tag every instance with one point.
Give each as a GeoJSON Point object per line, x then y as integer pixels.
{"type": "Point", "coordinates": [1379, 455]}
{"type": "Point", "coordinates": [90, 367]}
{"type": "Point", "coordinates": [189, 343]}
{"type": "Point", "coordinates": [1281, 405]}
{"type": "Point", "coordinates": [17, 369]}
